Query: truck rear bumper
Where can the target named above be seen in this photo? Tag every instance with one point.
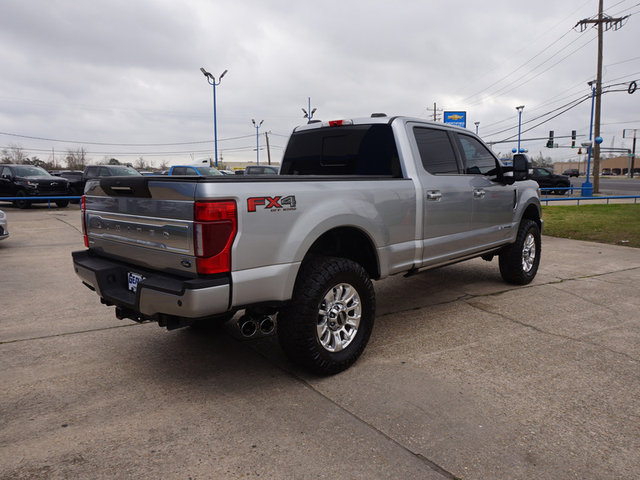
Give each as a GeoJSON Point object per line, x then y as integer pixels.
{"type": "Point", "coordinates": [157, 294]}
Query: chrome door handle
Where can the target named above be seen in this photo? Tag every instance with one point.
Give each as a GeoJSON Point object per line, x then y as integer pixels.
{"type": "Point", "coordinates": [434, 195]}
{"type": "Point", "coordinates": [479, 193]}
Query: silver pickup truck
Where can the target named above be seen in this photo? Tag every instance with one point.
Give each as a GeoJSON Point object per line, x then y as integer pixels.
{"type": "Point", "coordinates": [355, 200]}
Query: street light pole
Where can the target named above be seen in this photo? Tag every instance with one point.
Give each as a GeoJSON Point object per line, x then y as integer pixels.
{"type": "Point", "coordinates": [257, 125]}
{"type": "Point", "coordinates": [308, 114]}
{"type": "Point", "coordinates": [212, 81]}
{"type": "Point", "coordinates": [519, 109]}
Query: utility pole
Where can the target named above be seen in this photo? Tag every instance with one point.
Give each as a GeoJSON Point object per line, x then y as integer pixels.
{"type": "Point", "coordinates": [608, 23]}
{"type": "Point", "coordinates": [266, 135]}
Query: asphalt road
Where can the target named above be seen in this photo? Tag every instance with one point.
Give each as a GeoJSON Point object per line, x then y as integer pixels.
{"type": "Point", "coordinates": [464, 377]}
{"type": "Point", "coordinates": [613, 185]}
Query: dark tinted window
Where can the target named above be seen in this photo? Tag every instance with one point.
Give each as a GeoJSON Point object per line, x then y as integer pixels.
{"type": "Point", "coordinates": [30, 171]}
{"type": "Point", "coordinates": [477, 158]}
{"type": "Point", "coordinates": [436, 151]}
{"type": "Point", "coordinates": [344, 150]}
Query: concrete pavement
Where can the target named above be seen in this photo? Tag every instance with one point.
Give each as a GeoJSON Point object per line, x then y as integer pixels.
{"type": "Point", "coordinates": [464, 377]}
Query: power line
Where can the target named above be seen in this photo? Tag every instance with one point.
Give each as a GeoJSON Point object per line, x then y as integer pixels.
{"type": "Point", "coordinates": [120, 144]}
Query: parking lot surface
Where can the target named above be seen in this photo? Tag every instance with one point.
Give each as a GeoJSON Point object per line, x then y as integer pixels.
{"type": "Point", "coordinates": [464, 377]}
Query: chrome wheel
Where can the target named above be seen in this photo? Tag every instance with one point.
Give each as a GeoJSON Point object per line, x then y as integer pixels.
{"type": "Point", "coordinates": [339, 317]}
{"type": "Point", "coordinates": [528, 253]}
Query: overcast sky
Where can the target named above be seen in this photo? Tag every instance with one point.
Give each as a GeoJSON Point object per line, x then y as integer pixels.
{"type": "Point", "coordinates": [127, 71]}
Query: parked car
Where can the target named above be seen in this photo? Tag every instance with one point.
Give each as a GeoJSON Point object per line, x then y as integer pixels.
{"type": "Point", "coordinates": [260, 170]}
{"type": "Point", "coordinates": [197, 170]}
{"type": "Point", "coordinates": [76, 182]}
{"type": "Point", "coordinates": [98, 171]}
{"type": "Point", "coordinates": [571, 172]}
{"type": "Point", "coordinates": [547, 179]}
{"type": "Point", "coordinates": [31, 181]}
{"type": "Point", "coordinates": [4, 229]}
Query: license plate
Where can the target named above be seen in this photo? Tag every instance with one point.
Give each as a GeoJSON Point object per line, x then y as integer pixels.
{"type": "Point", "coordinates": [134, 279]}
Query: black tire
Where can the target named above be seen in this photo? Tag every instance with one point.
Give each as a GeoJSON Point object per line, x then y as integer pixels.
{"type": "Point", "coordinates": [22, 203]}
{"type": "Point", "coordinates": [62, 203]}
{"type": "Point", "coordinates": [342, 290]}
{"type": "Point", "coordinates": [519, 261]}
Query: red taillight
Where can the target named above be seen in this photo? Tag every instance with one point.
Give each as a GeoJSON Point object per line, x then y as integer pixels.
{"type": "Point", "coordinates": [83, 208]}
{"type": "Point", "coordinates": [214, 229]}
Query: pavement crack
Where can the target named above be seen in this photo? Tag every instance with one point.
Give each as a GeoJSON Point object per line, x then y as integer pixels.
{"type": "Point", "coordinates": [66, 334]}
{"type": "Point", "coordinates": [552, 334]}
{"type": "Point", "coordinates": [68, 224]}
{"type": "Point", "coordinates": [295, 376]}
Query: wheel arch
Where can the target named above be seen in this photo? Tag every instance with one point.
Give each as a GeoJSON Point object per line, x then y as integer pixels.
{"type": "Point", "coordinates": [351, 243]}
{"type": "Point", "coordinates": [532, 212]}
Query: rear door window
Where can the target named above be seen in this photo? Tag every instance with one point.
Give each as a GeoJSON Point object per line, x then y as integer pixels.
{"type": "Point", "coordinates": [436, 151]}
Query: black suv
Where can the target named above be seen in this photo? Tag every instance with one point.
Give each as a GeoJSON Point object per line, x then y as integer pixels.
{"type": "Point", "coordinates": [29, 181]}
{"type": "Point", "coordinates": [571, 172]}
{"type": "Point", "coordinates": [547, 179]}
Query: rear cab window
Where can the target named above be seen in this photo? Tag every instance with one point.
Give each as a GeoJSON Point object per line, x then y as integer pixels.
{"type": "Point", "coordinates": [364, 150]}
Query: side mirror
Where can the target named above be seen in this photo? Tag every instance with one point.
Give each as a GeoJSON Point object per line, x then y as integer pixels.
{"type": "Point", "coordinates": [521, 167]}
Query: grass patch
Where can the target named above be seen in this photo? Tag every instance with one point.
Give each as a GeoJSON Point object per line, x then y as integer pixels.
{"type": "Point", "coordinates": [614, 224]}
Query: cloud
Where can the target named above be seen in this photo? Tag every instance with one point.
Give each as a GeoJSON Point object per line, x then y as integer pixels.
{"type": "Point", "coordinates": [128, 72]}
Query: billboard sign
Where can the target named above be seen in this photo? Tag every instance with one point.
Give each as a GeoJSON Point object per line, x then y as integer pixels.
{"type": "Point", "coordinates": [459, 119]}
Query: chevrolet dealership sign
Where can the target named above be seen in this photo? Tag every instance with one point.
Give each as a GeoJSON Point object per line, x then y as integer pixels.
{"type": "Point", "coordinates": [459, 119]}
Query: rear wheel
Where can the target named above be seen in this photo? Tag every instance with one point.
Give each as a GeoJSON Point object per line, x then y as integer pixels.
{"type": "Point", "coordinates": [328, 323]}
{"type": "Point", "coordinates": [22, 203]}
{"type": "Point", "coordinates": [519, 261]}
{"type": "Point", "coordinates": [62, 203]}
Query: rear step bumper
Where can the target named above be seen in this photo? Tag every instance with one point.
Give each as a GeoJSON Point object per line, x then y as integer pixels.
{"type": "Point", "coordinates": [158, 294]}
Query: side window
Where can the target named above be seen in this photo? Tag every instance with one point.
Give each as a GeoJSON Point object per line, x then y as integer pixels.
{"type": "Point", "coordinates": [103, 172]}
{"type": "Point", "coordinates": [542, 172]}
{"type": "Point", "coordinates": [92, 172]}
{"type": "Point", "coordinates": [179, 171]}
{"type": "Point", "coordinates": [191, 171]}
{"type": "Point", "coordinates": [436, 151]}
{"type": "Point", "coordinates": [4, 171]}
{"type": "Point", "coordinates": [478, 159]}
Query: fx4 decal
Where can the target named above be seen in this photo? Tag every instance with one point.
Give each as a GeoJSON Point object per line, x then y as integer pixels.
{"type": "Point", "coordinates": [274, 204]}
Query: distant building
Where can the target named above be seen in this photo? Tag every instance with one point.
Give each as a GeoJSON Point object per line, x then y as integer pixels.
{"type": "Point", "coordinates": [615, 165]}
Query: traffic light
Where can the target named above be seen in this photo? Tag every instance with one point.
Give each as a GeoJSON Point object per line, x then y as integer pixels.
{"type": "Point", "coordinates": [550, 141]}
{"type": "Point", "coordinates": [573, 139]}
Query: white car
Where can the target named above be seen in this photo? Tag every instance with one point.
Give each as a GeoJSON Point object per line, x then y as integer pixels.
{"type": "Point", "coordinates": [4, 230]}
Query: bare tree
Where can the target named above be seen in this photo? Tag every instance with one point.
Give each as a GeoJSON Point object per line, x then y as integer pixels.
{"type": "Point", "coordinates": [141, 164]}
{"type": "Point", "coordinates": [164, 165]}
{"type": "Point", "coordinates": [13, 154]}
{"type": "Point", "coordinates": [76, 159]}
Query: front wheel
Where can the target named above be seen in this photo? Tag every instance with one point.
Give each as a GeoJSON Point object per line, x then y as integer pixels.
{"type": "Point", "coordinates": [519, 261]}
{"type": "Point", "coordinates": [328, 323]}
{"type": "Point", "coordinates": [62, 203]}
{"type": "Point", "coordinates": [22, 203]}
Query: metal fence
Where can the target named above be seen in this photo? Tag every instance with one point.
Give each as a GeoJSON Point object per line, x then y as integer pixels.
{"type": "Point", "coordinates": [40, 199]}
{"type": "Point", "coordinates": [606, 198]}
